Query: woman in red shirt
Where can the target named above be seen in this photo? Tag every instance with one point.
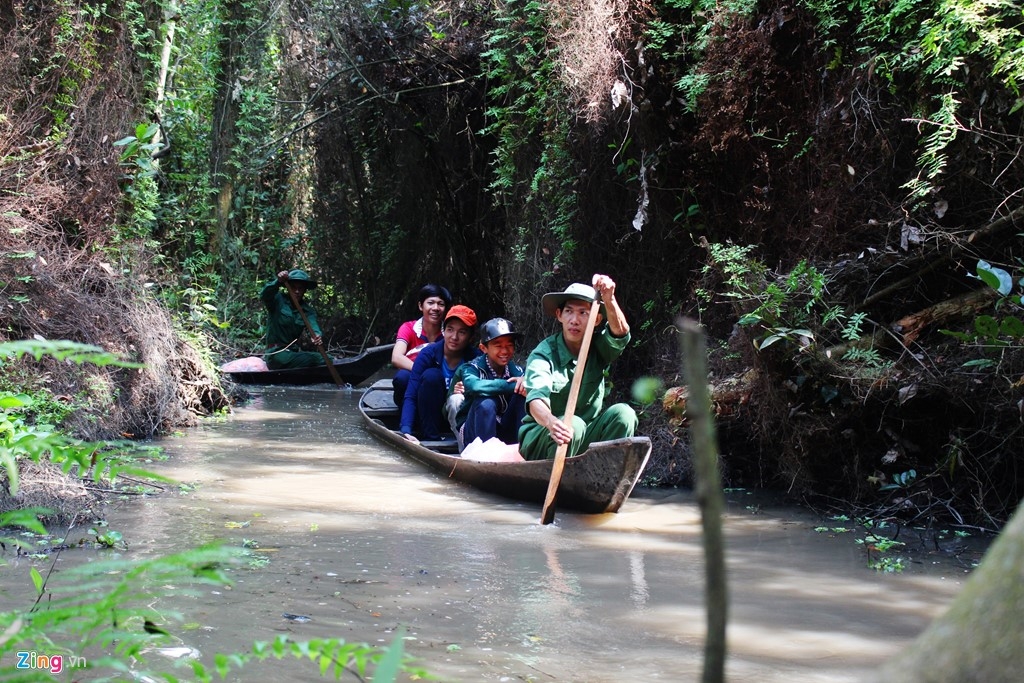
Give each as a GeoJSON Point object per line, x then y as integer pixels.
{"type": "Point", "coordinates": [433, 301]}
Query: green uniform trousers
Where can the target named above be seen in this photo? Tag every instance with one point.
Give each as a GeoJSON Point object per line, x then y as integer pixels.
{"type": "Point", "coordinates": [618, 422]}
{"type": "Point", "coordinates": [293, 359]}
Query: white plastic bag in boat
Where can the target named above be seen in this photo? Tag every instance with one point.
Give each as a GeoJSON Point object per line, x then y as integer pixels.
{"type": "Point", "coordinates": [492, 450]}
{"type": "Point", "coordinates": [250, 364]}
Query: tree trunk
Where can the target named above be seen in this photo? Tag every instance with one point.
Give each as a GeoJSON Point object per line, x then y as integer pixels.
{"type": "Point", "coordinates": [223, 135]}
{"type": "Point", "coordinates": [979, 638]}
{"type": "Point", "coordinates": [170, 15]}
{"type": "Point", "coordinates": [709, 495]}
{"type": "Point", "coordinates": [962, 307]}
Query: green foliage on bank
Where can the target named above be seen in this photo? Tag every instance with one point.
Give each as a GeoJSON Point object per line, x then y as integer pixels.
{"type": "Point", "coordinates": [530, 119]}
{"type": "Point", "coordinates": [932, 54]}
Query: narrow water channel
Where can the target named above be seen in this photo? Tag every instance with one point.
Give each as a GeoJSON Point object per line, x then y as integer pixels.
{"type": "Point", "coordinates": [363, 541]}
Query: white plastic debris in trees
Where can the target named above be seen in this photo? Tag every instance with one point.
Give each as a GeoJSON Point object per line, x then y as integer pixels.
{"type": "Point", "coordinates": [909, 235]}
{"type": "Point", "coordinates": [620, 95]}
{"type": "Point", "coordinates": [641, 212]}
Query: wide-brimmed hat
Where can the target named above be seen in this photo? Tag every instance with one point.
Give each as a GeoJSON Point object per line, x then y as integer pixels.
{"type": "Point", "coordinates": [301, 276]}
{"type": "Point", "coordinates": [497, 327]}
{"type": "Point", "coordinates": [463, 313]}
{"type": "Point", "coordinates": [552, 301]}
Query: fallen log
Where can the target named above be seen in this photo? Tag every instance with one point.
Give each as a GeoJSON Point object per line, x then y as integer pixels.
{"type": "Point", "coordinates": [995, 227]}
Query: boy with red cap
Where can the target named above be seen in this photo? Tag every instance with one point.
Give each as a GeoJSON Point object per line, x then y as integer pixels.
{"type": "Point", "coordinates": [432, 372]}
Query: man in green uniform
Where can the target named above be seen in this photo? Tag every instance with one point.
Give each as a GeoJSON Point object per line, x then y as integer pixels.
{"type": "Point", "coordinates": [551, 366]}
{"type": "Point", "coordinates": [285, 324]}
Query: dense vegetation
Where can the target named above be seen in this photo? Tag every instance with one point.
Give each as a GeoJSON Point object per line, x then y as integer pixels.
{"type": "Point", "coordinates": [826, 186]}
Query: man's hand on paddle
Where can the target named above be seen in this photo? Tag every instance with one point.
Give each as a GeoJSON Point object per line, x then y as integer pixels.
{"type": "Point", "coordinates": [284, 279]}
{"type": "Point", "coordinates": [559, 432]}
{"type": "Point", "coordinates": [605, 287]}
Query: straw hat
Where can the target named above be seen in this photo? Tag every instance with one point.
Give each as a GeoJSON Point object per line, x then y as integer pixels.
{"type": "Point", "coordinates": [552, 301]}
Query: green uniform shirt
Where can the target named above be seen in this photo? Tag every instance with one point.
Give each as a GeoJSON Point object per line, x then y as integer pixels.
{"type": "Point", "coordinates": [284, 323]}
{"type": "Point", "coordinates": [550, 369]}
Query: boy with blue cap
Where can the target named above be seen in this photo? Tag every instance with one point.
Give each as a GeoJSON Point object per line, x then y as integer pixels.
{"type": "Point", "coordinates": [493, 394]}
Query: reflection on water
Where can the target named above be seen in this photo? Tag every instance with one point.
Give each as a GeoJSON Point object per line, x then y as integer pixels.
{"type": "Point", "coordinates": [363, 542]}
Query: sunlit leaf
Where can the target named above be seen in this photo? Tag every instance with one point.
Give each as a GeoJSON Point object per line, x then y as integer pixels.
{"type": "Point", "coordinates": [647, 390]}
{"type": "Point", "coordinates": [37, 580]}
{"type": "Point", "coordinates": [15, 401]}
{"type": "Point", "coordinates": [391, 663]}
{"type": "Point", "coordinates": [996, 278]}
{"type": "Point", "coordinates": [220, 662]}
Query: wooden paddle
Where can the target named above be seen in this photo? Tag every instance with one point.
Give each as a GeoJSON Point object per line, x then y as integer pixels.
{"type": "Point", "coordinates": [547, 514]}
{"type": "Point", "coordinates": [320, 347]}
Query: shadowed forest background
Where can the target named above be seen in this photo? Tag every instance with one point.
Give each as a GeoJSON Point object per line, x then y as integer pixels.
{"type": "Point", "coordinates": [834, 190]}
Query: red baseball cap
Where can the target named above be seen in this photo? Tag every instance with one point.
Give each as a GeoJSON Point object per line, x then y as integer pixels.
{"type": "Point", "coordinates": [463, 313]}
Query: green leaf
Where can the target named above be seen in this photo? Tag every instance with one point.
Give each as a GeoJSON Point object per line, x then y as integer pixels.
{"type": "Point", "coordinates": [986, 326]}
{"type": "Point", "coordinates": [1012, 326]}
{"type": "Point", "coordinates": [10, 465]}
{"type": "Point", "coordinates": [62, 350]}
{"type": "Point", "coordinates": [37, 580]}
{"type": "Point", "coordinates": [958, 335]}
{"type": "Point", "coordinates": [390, 664]}
{"type": "Point", "coordinates": [646, 390]}
{"type": "Point", "coordinates": [8, 401]}
{"type": "Point", "coordinates": [26, 518]}
{"type": "Point", "coordinates": [220, 662]}
{"type": "Point", "coordinates": [996, 278]}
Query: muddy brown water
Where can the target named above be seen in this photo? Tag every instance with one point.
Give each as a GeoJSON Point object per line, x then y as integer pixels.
{"type": "Point", "coordinates": [363, 541]}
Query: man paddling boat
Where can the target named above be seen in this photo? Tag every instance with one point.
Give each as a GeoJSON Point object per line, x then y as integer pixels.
{"type": "Point", "coordinates": [286, 323]}
{"type": "Point", "coordinates": [552, 364]}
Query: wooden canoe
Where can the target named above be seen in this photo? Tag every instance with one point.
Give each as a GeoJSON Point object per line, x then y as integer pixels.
{"type": "Point", "coordinates": [351, 370]}
{"type": "Point", "coordinates": [598, 480]}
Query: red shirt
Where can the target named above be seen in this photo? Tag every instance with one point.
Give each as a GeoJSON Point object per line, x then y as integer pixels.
{"type": "Point", "coordinates": [411, 333]}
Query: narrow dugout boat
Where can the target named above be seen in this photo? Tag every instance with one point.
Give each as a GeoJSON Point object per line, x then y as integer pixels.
{"type": "Point", "coordinates": [598, 480]}
{"type": "Point", "coordinates": [352, 370]}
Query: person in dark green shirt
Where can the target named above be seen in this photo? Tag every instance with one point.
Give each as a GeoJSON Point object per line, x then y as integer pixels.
{"type": "Point", "coordinates": [285, 324]}
{"type": "Point", "coordinates": [552, 364]}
